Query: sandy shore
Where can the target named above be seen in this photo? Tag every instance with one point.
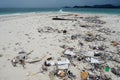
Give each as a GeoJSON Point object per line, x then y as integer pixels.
{"type": "Point", "coordinates": [38, 32]}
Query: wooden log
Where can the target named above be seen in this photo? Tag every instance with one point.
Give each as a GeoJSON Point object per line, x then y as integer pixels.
{"type": "Point", "coordinates": [34, 61]}
{"type": "Point", "coordinates": [29, 52]}
{"type": "Point", "coordinates": [61, 19]}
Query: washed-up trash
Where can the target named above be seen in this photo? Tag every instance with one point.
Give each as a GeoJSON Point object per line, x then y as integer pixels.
{"type": "Point", "coordinates": [81, 44]}
{"type": "Point", "coordinates": [47, 29]}
{"type": "Point", "coordinates": [116, 71]}
{"type": "Point", "coordinates": [22, 52]}
{"type": "Point", "coordinates": [73, 37]}
{"type": "Point", "coordinates": [63, 67]}
{"type": "Point", "coordinates": [69, 52]}
{"type": "Point", "coordinates": [90, 34]}
{"type": "Point", "coordinates": [79, 58]}
{"type": "Point", "coordinates": [87, 59]}
{"type": "Point", "coordinates": [89, 38]}
{"type": "Point", "coordinates": [94, 20]}
{"type": "Point", "coordinates": [64, 31]}
{"type": "Point", "coordinates": [64, 46]}
{"type": "Point", "coordinates": [102, 47]}
{"type": "Point", "coordinates": [107, 69]}
{"type": "Point", "coordinates": [49, 63]}
{"type": "Point", "coordinates": [61, 73]}
{"type": "Point", "coordinates": [97, 66]}
{"type": "Point", "coordinates": [14, 61]}
{"type": "Point", "coordinates": [50, 58]}
{"type": "Point", "coordinates": [89, 54]}
{"type": "Point", "coordinates": [114, 43]}
{"type": "Point", "coordinates": [22, 57]}
{"type": "Point", "coordinates": [94, 60]}
{"type": "Point", "coordinates": [99, 38]}
{"type": "Point", "coordinates": [107, 55]}
{"type": "Point", "coordinates": [105, 77]}
{"type": "Point", "coordinates": [84, 75]}
{"type": "Point", "coordinates": [94, 76]}
{"type": "Point", "coordinates": [97, 54]}
{"type": "Point", "coordinates": [107, 31]}
{"type": "Point", "coordinates": [63, 64]}
{"type": "Point", "coordinates": [95, 47]}
{"type": "Point", "coordinates": [70, 75]}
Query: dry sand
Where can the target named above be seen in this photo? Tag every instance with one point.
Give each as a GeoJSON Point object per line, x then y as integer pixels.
{"type": "Point", "coordinates": [20, 32]}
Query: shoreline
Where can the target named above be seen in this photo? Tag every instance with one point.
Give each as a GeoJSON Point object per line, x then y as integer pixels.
{"type": "Point", "coordinates": [56, 12]}
{"type": "Point", "coordinates": [19, 15]}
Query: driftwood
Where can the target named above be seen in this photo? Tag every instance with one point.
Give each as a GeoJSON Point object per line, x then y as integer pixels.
{"type": "Point", "coordinates": [34, 61]}
{"type": "Point", "coordinates": [61, 19]}
{"type": "Point", "coordinates": [29, 52]}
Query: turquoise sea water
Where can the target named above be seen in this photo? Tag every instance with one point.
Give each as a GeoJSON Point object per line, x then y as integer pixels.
{"type": "Point", "coordinates": [59, 10]}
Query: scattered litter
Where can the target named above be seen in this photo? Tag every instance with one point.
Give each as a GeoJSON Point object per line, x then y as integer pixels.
{"type": "Point", "coordinates": [61, 73]}
{"type": "Point", "coordinates": [94, 60]}
{"type": "Point", "coordinates": [63, 62]}
{"type": "Point", "coordinates": [84, 75]}
{"type": "Point", "coordinates": [73, 37]}
{"type": "Point", "coordinates": [62, 19]}
{"type": "Point", "coordinates": [69, 52]}
{"type": "Point", "coordinates": [64, 31]}
{"type": "Point", "coordinates": [107, 31]}
{"type": "Point", "coordinates": [89, 54]}
{"type": "Point", "coordinates": [116, 71]}
{"type": "Point", "coordinates": [114, 43]}
{"type": "Point", "coordinates": [84, 52]}
{"type": "Point", "coordinates": [107, 68]}
{"type": "Point", "coordinates": [34, 61]}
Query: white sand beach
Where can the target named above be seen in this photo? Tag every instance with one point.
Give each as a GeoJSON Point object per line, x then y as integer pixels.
{"type": "Point", "coordinates": [46, 37]}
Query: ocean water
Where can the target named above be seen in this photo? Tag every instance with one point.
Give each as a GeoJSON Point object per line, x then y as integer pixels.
{"type": "Point", "coordinates": [4, 11]}
{"type": "Point", "coordinates": [93, 10]}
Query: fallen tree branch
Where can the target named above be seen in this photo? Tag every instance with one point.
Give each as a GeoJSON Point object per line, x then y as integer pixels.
{"type": "Point", "coordinates": [34, 61]}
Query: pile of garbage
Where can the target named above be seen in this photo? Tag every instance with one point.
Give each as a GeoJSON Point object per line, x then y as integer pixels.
{"type": "Point", "coordinates": [48, 29]}
{"type": "Point", "coordinates": [107, 31]}
{"type": "Point", "coordinates": [95, 20]}
{"type": "Point", "coordinates": [92, 37]}
{"type": "Point", "coordinates": [91, 61]}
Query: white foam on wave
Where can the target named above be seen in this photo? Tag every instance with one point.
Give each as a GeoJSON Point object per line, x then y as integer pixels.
{"type": "Point", "coordinates": [17, 14]}
{"type": "Point", "coordinates": [61, 11]}
{"type": "Point", "coordinates": [12, 14]}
